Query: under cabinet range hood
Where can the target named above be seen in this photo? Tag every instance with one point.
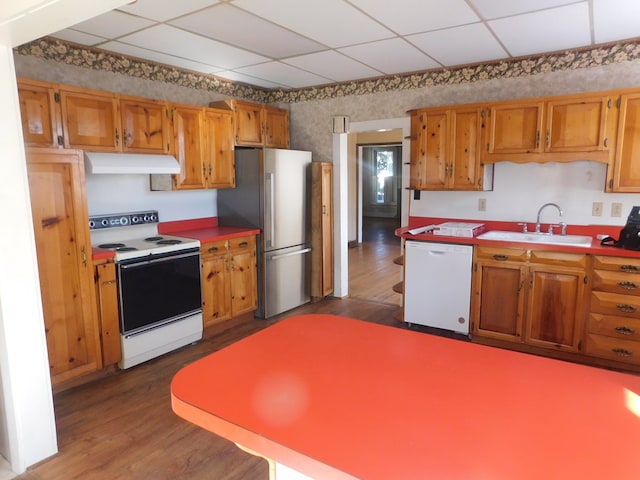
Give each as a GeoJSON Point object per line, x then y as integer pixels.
{"type": "Point", "coordinates": [125, 163]}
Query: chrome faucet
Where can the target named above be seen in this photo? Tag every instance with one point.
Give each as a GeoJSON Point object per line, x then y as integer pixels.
{"type": "Point", "coordinates": [564, 231]}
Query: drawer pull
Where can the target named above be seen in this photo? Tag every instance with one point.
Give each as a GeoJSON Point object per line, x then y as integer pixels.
{"type": "Point", "coordinates": [501, 258]}
{"type": "Point", "coordinates": [629, 268]}
{"type": "Point", "coordinates": [624, 307]}
{"type": "Point", "coordinates": [621, 329]}
{"type": "Point", "coordinates": [243, 244]}
{"type": "Point", "coordinates": [628, 285]}
{"type": "Point", "coordinates": [621, 352]}
{"type": "Point", "coordinates": [212, 249]}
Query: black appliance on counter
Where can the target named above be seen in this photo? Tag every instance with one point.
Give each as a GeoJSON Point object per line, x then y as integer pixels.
{"type": "Point", "coordinates": [629, 235]}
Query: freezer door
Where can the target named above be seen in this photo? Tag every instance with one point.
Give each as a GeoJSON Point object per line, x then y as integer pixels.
{"type": "Point", "coordinates": [286, 176]}
{"type": "Point", "coordinates": [286, 279]}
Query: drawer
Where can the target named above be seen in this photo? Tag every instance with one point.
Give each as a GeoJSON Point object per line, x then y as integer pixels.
{"type": "Point", "coordinates": [615, 304]}
{"type": "Point", "coordinates": [616, 282]}
{"type": "Point", "coordinates": [501, 254]}
{"type": "Point", "coordinates": [561, 259]}
{"type": "Point", "coordinates": [626, 351]}
{"type": "Point", "coordinates": [242, 243]}
{"type": "Point", "coordinates": [616, 327]}
{"type": "Point", "coordinates": [214, 248]}
{"type": "Point", "coordinates": [617, 264]}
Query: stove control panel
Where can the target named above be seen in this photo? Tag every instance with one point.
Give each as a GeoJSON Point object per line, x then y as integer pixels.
{"type": "Point", "coordinates": [122, 219]}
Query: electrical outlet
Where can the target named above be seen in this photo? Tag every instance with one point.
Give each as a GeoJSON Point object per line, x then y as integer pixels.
{"type": "Point", "coordinates": [482, 204]}
{"type": "Point", "coordinates": [596, 209]}
{"type": "Point", "coordinates": [616, 209]}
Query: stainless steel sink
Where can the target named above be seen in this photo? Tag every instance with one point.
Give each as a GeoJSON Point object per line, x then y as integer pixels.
{"type": "Point", "coordinates": [542, 238]}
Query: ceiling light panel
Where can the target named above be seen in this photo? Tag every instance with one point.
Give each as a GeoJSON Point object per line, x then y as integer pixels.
{"type": "Point", "coordinates": [412, 16]}
{"type": "Point", "coordinates": [173, 41]}
{"type": "Point", "coordinates": [159, 57]}
{"type": "Point", "coordinates": [333, 65]}
{"type": "Point", "coordinates": [616, 19]}
{"type": "Point", "coordinates": [222, 23]}
{"type": "Point", "coordinates": [112, 24]}
{"type": "Point", "coordinates": [283, 74]}
{"type": "Point", "coordinates": [391, 56]}
{"type": "Point", "coordinates": [492, 9]}
{"type": "Point", "coordinates": [334, 23]}
{"type": "Point", "coordinates": [459, 45]}
{"type": "Point", "coordinates": [545, 31]}
{"type": "Point", "coordinates": [164, 10]}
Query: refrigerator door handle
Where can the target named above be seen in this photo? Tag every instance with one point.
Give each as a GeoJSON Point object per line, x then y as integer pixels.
{"type": "Point", "coordinates": [291, 254]}
{"type": "Point", "coordinates": [269, 187]}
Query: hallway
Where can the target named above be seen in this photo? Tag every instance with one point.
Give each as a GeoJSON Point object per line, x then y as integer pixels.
{"type": "Point", "coordinates": [372, 272]}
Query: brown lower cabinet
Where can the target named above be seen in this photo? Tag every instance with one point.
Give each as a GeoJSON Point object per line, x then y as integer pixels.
{"type": "Point", "coordinates": [63, 245]}
{"type": "Point", "coordinates": [537, 298]}
{"type": "Point", "coordinates": [108, 313]}
{"type": "Point", "coordinates": [229, 279]}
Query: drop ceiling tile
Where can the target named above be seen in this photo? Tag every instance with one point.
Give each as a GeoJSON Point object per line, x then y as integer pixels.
{"type": "Point", "coordinates": [158, 57]}
{"type": "Point", "coordinates": [491, 9]}
{"type": "Point", "coordinates": [173, 41]}
{"type": "Point", "coordinates": [278, 72]}
{"type": "Point", "coordinates": [75, 36]}
{"type": "Point", "coordinates": [412, 16]}
{"type": "Point", "coordinates": [390, 56]}
{"type": "Point", "coordinates": [545, 31]}
{"type": "Point", "coordinates": [616, 20]}
{"type": "Point", "coordinates": [162, 11]}
{"type": "Point", "coordinates": [238, 77]}
{"type": "Point", "coordinates": [459, 45]}
{"type": "Point", "coordinates": [333, 65]}
{"type": "Point", "coordinates": [334, 23]}
{"type": "Point", "coordinates": [222, 23]}
{"type": "Point", "coordinates": [112, 24]}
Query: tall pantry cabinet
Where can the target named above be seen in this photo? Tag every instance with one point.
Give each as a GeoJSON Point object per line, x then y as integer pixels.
{"type": "Point", "coordinates": [60, 223]}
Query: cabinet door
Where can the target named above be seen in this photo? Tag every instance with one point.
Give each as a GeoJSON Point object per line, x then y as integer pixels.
{"type": "Point", "coordinates": [418, 164]}
{"type": "Point", "coordinates": [244, 289]}
{"type": "Point", "coordinates": [276, 127]}
{"type": "Point", "coordinates": [576, 125]}
{"type": "Point", "coordinates": [626, 169]}
{"type": "Point", "coordinates": [188, 147]}
{"type": "Point", "coordinates": [144, 126]}
{"type": "Point", "coordinates": [90, 121]}
{"type": "Point", "coordinates": [464, 167]}
{"type": "Point", "coordinates": [60, 223]}
{"type": "Point", "coordinates": [433, 150]}
{"type": "Point", "coordinates": [216, 289]}
{"type": "Point", "coordinates": [39, 114]}
{"type": "Point", "coordinates": [219, 154]}
{"type": "Point", "coordinates": [109, 317]}
{"type": "Point", "coordinates": [515, 128]}
{"type": "Point", "coordinates": [555, 307]}
{"type": "Point", "coordinates": [498, 303]}
{"type": "Point", "coordinates": [321, 229]}
{"type": "Point", "coordinates": [248, 120]}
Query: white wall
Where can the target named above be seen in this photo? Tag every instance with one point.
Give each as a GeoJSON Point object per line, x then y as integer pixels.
{"type": "Point", "coordinates": [131, 193]}
{"type": "Point", "coordinates": [521, 189]}
{"type": "Point", "coordinates": [27, 433]}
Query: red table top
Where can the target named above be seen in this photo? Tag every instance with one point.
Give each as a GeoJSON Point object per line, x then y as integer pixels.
{"type": "Point", "coordinates": [334, 397]}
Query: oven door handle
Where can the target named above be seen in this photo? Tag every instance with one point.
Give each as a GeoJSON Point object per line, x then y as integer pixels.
{"type": "Point", "coordinates": [290, 254]}
{"type": "Point", "coordinates": [141, 263]}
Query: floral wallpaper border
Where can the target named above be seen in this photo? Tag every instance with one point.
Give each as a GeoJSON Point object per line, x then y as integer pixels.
{"type": "Point", "coordinates": [87, 57]}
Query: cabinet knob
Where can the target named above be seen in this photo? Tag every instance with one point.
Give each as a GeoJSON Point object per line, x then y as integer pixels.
{"type": "Point", "coordinates": [212, 249]}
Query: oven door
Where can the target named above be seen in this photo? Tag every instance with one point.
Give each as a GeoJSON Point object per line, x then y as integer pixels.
{"type": "Point", "coordinates": [158, 290]}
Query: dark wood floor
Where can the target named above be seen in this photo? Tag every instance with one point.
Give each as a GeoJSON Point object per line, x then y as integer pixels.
{"type": "Point", "coordinates": [122, 426]}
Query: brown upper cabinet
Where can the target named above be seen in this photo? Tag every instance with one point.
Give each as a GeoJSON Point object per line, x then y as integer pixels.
{"type": "Point", "coordinates": [258, 125]}
{"type": "Point", "coordinates": [626, 168]}
{"type": "Point", "coordinates": [566, 126]}
{"type": "Point", "coordinates": [145, 125]}
{"type": "Point", "coordinates": [445, 149]}
{"type": "Point", "coordinates": [40, 113]}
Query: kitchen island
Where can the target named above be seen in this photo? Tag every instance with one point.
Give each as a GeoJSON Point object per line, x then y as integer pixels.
{"type": "Point", "coordinates": [336, 398]}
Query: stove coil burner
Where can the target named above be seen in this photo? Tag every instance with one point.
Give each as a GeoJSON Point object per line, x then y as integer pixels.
{"type": "Point", "coordinates": [111, 245]}
{"type": "Point", "coordinates": [152, 239]}
{"type": "Point", "coordinates": [169, 241]}
{"type": "Point", "coordinates": [125, 249]}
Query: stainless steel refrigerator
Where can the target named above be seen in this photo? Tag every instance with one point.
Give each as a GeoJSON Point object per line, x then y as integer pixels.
{"type": "Point", "coordinates": [273, 193]}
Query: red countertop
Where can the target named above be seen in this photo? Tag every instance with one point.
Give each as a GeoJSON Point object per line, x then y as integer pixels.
{"type": "Point", "coordinates": [590, 230]}
{"type": "Point", "coordinates": [337, 398]}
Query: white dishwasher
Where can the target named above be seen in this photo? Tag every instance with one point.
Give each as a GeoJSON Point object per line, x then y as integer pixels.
{"type": "Point", "coordinates": [437, 285]}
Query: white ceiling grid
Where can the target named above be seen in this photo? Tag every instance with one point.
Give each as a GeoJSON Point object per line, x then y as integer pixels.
{"type": "Point", "coordinates": [296, 44]}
